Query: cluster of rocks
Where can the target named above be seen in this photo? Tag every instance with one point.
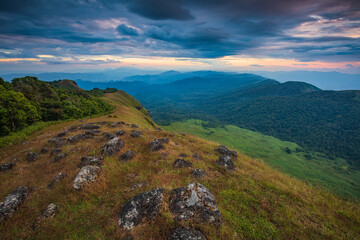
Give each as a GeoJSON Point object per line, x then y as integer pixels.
{"type": "Point", "coordinates": [193, 202]}
{"type": "Point", "coordinates": [157, 144]}
{"type": "Point", "coordinates": [112, 146]}
{"type": "Point", "coordinates": [90, 160]}
{"type": "Point", "coordinates": [227, 157]}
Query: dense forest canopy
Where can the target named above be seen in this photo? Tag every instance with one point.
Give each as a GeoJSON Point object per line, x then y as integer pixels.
{"type": "Point", "coordinates": [26, 100]}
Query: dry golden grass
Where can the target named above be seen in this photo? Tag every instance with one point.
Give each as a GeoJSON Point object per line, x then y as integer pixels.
{"type": "Point", "coordinates": [256, 201]}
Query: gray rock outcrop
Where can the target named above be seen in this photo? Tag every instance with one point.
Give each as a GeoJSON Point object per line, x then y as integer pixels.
{"type": "Point", "coordinates": [50, 211]}
{"type": "Point", "coordinates": [12, 202]}
{"type": "Point", "coordinates": [6, 166]}
{"type": "Point", "coordinates": [225, 151]}
{"type": "Point", "coordinates": [195, 202]}
{"type": "Point", "coordinates": [187, 234]}
{"type": "Point", "coordinates": [144, 206]}
{"type": "Point", "coordinates": [57, 178]}
{"type": "Point", "coordinates": [86, 175]}
{"type": "Point", "coordinates": [127, 156]}
{"type": "Point", "coordinates": [112, 146]}
{"type": "Point", "coordinates": [31, 156]}
{"type": "Point", "coordinates": [90, 160]}
{"type": "Point", "coordinates": [181, 163]}
{"type": "Point", "coordinates": [226, 162]}
{"type": "Point", "coordinates": [198, 173]}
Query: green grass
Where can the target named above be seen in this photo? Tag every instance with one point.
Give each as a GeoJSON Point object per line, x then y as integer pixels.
{"type": "Point", "coordinates": [19, 136]}
{"type": "Point", "coordinates": [333, 174]}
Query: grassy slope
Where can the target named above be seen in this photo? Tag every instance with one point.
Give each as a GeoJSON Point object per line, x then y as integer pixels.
{"type": "Point", "coordinates": [256, 201]}
{"type": "Point", "coordinates": [332, 174]}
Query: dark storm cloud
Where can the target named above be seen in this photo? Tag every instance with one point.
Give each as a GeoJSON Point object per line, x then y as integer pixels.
{"type": "Point", "coordinates": [179, 28]}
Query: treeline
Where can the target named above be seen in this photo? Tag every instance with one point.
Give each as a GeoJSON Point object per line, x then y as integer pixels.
{"type": "Point", "coordinates": [24, 101]}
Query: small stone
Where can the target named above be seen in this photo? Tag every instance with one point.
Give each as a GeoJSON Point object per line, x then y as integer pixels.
{"type": "Point", "coordinates": [77, 138]}
{"type": "Point", "coordinates": [62, 134]}
{"type": "Point", "coordinates": [31, 157]}
{"type": "Point", "coordinates": [55, 151]}
{"type": "Point", "coordinates": [142, 207]}
{"type": "Point", "coordinates": [57, 140]}
{"type": "Point", "coordinates": [226, 162]}
{"type": "Point", "coordinates": [135, 133]}
{"type": "Point", "coordinates": [225, 151]}
{"type": "Point", "coordinates": [86, 175]}
{"type": "Point", "coordinates": [127, 156]}
{"type": "Point", "coordinates": [157, 144]}
{"type": "Point", "coordinates": [44, 150]}
{"type": "Point", "coordinates": [92, 132]}
{"type": "Point", "coordinates": [134, 125]}
{"type": "Point", "coordinates": [181, 163]}
{"type": "Point", "coordinates": [12, 202]}
{"type": "Point", "coordinates": [73, 128]}
{"type": "Point", "coordinates": [198, 173]}
{"type": "Point", "coordinates": [120, 133]}
{"type": "Point", "coordinates": [197, 156]}
{"type": "Point", "coordinates": [113, 146]}
{"type": "Point", "coordinates": [137, 185]}
{"type": "Point", "coordinates": [89, 126]}
{"type": "Point", "coordinates": [90, 160]}
{"type": "Point", "coordinates": [187, 234]}
{"type": "Point", "coordinates": [6, 166]}
{"type": "Point", "coordinates": [109, 136]}
{"type": "Point", "coordinates": [57, 178]}
{"type": "Point", "coordinates": [183, 155]}
{"type": "Point", "coordinates": [50, 211]}
{"type": "Point", "coordinates": [59, 157]}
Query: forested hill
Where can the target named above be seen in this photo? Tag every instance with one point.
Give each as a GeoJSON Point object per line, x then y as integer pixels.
{"type": "Point", "coordinates": [27, 100]}
{"type": "Point", "coordinates": [322, 121]}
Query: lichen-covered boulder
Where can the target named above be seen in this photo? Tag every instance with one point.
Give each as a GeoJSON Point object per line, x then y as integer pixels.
{"type": "Point", "coordinates": [12, 202]}
{"type": "Point", "coordinates": [181, 163]}
{"type": "Point", "coordinates": [91, 160]}
{"type": "Point", "coordinates": [120, 133]}
{"type": "Point", "coordinates": [225, 151]}
{"type": "Point", "coordinates": [198, 173]}
{"type": "Point", "coordinates": [142, 207]}
{"type": "Point", "coordinates": [157, 144]}
{"type": "Point", "coordinates": [6, 166]}
{"type": "Point", "coordinates": [50, 211]}
{"type": "Point", "coordinates": [86, 175]}
{"type": "Point", "coordinates": [62, 134]}
{"type": "Point", "coordinates": [59, 157]}
{"type": "Point", "coordinates": [108, 136]}
{"type": "Point", "coordinates": [31, 157]}
{"type": "Point", "coordinates": [77, 138]}
{"type": "Point", "coordinates": [57, 178]}
{"type": "Point", "coordinates": [194, 202]}
{"type": "Point", "coordinates": [127, 156]}
{"type": "Point", "coordinates": [187, 234]}
{"type": "Point", "coordinates": [135, 133]}
{"type": "Point", "coordinates": [89, 126]}
{"type": "Point", "coordinates": [55, 151]}
{"type": "Point", "coordinates": [57, 140]}
{"type": "Point", "coordinates": [112, 146]}
{"type": "Point", "coordinates": [226, 162]}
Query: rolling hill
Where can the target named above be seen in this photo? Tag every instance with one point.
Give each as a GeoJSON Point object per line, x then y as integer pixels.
{"type": "Point", "coordinates": [254, 201]}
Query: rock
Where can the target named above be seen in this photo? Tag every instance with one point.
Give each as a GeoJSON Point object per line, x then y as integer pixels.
{"type": "Point", "coordinates": [180, 163]}
{"type": "Point", "coordinates": [225, 151]}
{"type": "Point", "coordinates": [187, 234]}
{"type": "Point", "coordinates": [57, 140]}
{"type": "Point", "coordinates": [31, 157]}
{"type": "Point", "coordinates": [109, 136]}
{"type": "Point", "coordinates": [57, 178]}
{"type": "Point", "coordinates": [134, 125]}
{"type": "Point", "coordinates": [59, 157]}
{"type": "Point", "coordinates": [127, 156]}
{"type": "Point", "coordinates": [198, 173]}
{"type": "Point", "coordinates": [157, 144]}
{"type": "Point", "coordinates": [12, 202]}
{"type": "Point", "coordinates": [197, 156]}
{"type": "Point", "coordinates": [73, 128]}
{"type": "Point", "coordinates": [183, 155]}
{"type": "Point", "coordinates": [86, 175]}
{"type": "Point", "coordinates": [77, 138]}
{"type": "Point", "coordinates": [55, 151]}
{"type": "Point", "coordinates": [128, 237]}
{"type": "Point", "coordinates": [89, 126]}
{"type": "Point", "coordinates": [6, 166]}
{"type": "Point", "coordinates": [120, 133]}
{"type": "Point", "coordinates": [102, 123]}
{"type": "Point", "coordinates": [142, 207]}
{"type": "Point", "coordinates": [50, 211]}
{"type": "Point", "coordinates": [158, 129]}
{"type": "Point", "coordinates": [137, 185]}
{"type": "Point", "coordinates": [90, 160]}
{"type": "Point", "coordinates": [113, 146]}
{"type": "Point", "coordinates": [92, 132]}
{"type": "Point", "coordinates": [135, 133]}
{"type": "Point", "coordinates": [62, 134]}
{"type": "Point", "coordinates": [226, 162]}
{"type": "Point", "coordinates": [194, 202]}
{"type": "Point", "coordinates": [44, 150]}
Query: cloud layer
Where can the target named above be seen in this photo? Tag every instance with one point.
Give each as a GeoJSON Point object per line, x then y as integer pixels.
{"type": "Point", "coordinates": [307, 30]}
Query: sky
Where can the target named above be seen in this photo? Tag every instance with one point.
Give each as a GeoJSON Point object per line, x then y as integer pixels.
{"type": "Point", "coordinates": [236, 35]}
